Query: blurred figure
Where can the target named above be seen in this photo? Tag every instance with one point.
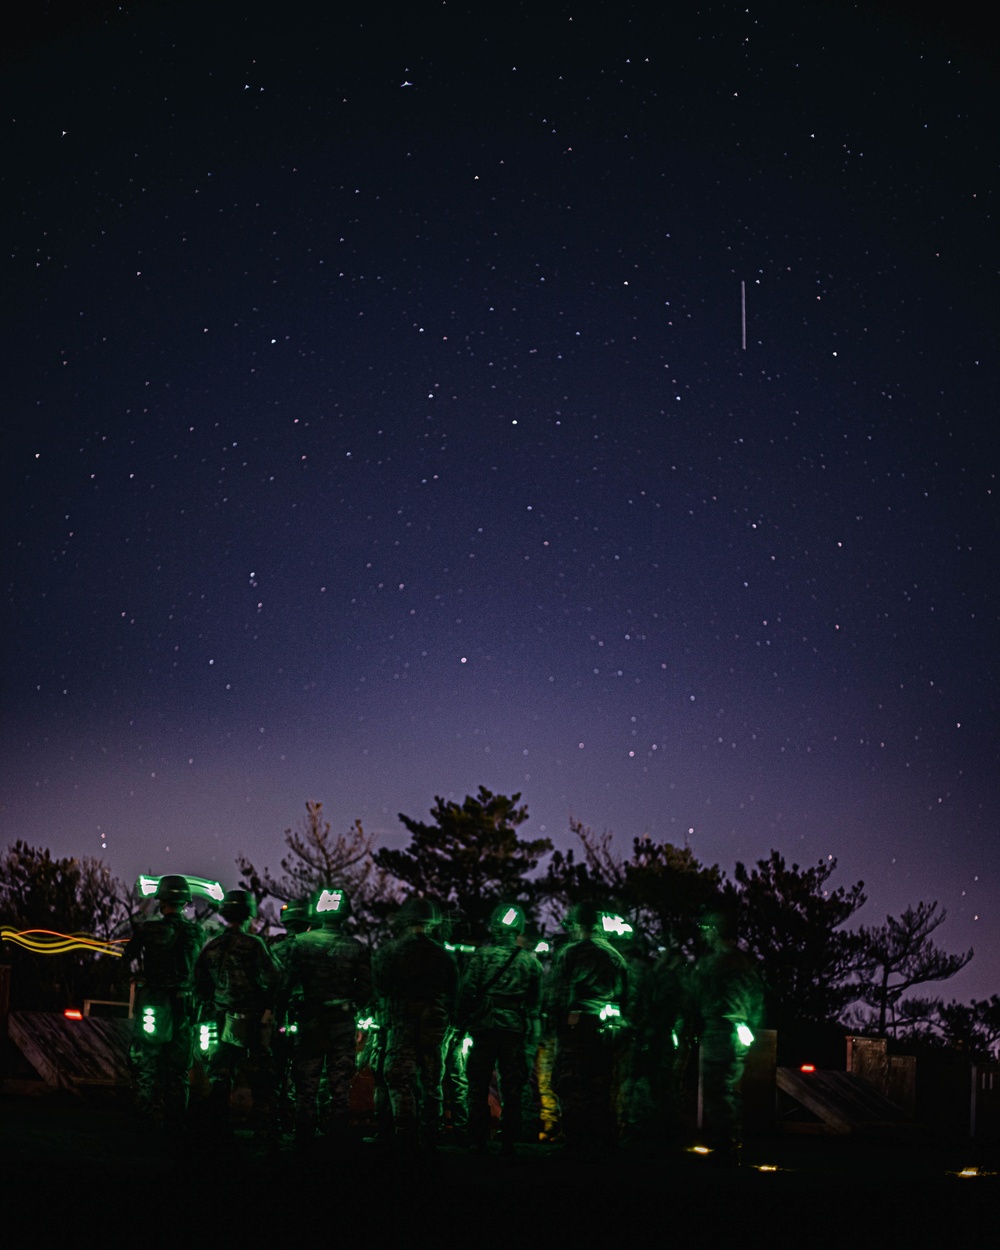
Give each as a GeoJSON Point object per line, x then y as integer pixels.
{"type": "Point", "coordinates": [416, 981]}
{"type": "Point", "coordinates": [728, 996]}
{"type": "Point", "coordinates": [499, 1005]}
{"type": "Point", "coordinates": [236, 980]}
{"type": "Point", "coordinates": [164, 950]}
{"type": "Point", "coordinates": [329, 973]}
{"type": "Point", "coordinates": [586, 997]}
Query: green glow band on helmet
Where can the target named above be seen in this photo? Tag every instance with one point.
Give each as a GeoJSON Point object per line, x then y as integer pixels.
{"type": "Point", "coordinates": [146, 886]}
{"type": "Point", "coordinates": [210, 889]}
{"type": "Point", "coordinates": [542, 948]}
{"type": "Point", "coordinates": [462, 947]}
{"type": "Point", "coordinates": [466, 1046]}
{"type": "Point", "coordinates": [615, 924]}
{"type": "Point", "coordinates": [329, 900]}
{"type": "Point", "coordinates": [744, 1034]}
{"type": "Point", "coordinates": [509, 916]}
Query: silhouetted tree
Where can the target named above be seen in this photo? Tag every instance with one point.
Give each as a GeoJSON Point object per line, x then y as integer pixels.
{"type": "Point", "coordinates": [661, 888]}
{"type": "Point", "coordinates": [316, 857]}
{"type": "Point", "coordinates": [900, 954]}
{"type": "Point", "coordinates": [792, 923]}
{"type": "Point", "coordinates": [74, 896]}
{"type": "Point", "coordinates": [470, 856]}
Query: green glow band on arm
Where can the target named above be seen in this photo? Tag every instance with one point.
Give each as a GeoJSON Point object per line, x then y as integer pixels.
{"type": "Point", "coordinates": [744, 1034]}
{"type": "Point", "coordinates": [466, 1046]}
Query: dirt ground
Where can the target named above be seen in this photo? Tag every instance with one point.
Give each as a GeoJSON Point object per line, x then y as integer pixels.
{"type": "Point", "coordinates": [78, 1164]}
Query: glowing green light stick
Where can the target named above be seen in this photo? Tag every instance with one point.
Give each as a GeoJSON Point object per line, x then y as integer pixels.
{"type": "Point", "coordinates": [329, 900]}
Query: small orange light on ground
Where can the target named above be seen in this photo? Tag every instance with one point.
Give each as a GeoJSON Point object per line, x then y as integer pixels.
{"type": "Point", "coordinates": [73, 1013]}
{"type": "Point", "coordinates": [808, 1067]}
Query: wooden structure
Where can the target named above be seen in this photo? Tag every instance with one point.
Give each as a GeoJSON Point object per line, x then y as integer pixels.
{"type": "Point", "coordinates": [72, 1054]}
{"type": "Point", "coordinates": [840, 1101]}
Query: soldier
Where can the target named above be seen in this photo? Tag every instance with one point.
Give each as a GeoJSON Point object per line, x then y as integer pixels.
{"type": "Point", "coordinates": [416, 981]}
{"type": "Point", "coordinates": [499, 1005]}
{"type": "Point", "coordinates": [635, 1046]}
{"type": "Point", "coordinates": [236, 980]}
{"type": "Point", "coordinates": [728, 996]}
{"type": "Point", "coordinates": [294, 916]}
{"type": "Point", "coordinates": [166, 948]}
{"type": "Point", "coordinates": [586, 996]}
{"type": "Point", "coordinates": [330, 973]}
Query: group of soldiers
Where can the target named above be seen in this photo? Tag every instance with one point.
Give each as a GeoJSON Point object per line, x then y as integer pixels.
{"type": "Point", "coordinates": [591, 1049]}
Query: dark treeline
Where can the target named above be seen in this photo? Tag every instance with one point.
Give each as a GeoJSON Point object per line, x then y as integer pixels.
{"type": "Point", "coordinates": [822, 970]}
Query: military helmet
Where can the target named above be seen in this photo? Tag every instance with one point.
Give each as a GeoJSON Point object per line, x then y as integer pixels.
{"type": "Point", "coordinates": [586, 914]}
{"type": "Point", "coordinates": [294, 915]}
{"type": "Point", "coordinates": [330, 905]}
{"type": "Point", "coordinates": [417, 911]}
{"type": "Point", "coordinates": [173, 889]}
{"type": "Point", "coordinates": [238, 905]}
{"type": "Point", "coordinates": [507, 918]}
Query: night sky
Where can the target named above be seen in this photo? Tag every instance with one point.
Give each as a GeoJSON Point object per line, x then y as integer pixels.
{"type": "Point", "coordinates": [378, 425]}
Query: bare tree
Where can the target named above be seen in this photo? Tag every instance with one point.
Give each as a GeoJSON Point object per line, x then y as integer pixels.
{"type": "Point", "coordinates": [900, 954]}
{"type": "Point", "coordinates": [316, 858]}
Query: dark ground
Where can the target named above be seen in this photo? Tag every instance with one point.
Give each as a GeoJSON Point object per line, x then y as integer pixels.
{"type": "Point", "coordinates": [77, 1165]}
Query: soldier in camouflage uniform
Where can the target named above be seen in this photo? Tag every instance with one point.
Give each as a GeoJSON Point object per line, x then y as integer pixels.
{"type": "Point", "coordinates": [416, 981]}
{"type": "Point", "coordinates": [166, 948]}
{"type": "Point", "coordinates": [330, 973]}
{"type": "Point", "coordinates": [728, 996]}
{"type": "Point", "coordinates": [499, 1005]}
{"type": "Point", "coordinates": [236, 980]}
{"type": "Point", "coordinates": [636, 1046]}
{"type": "Point", "coordinates": [588, 984]}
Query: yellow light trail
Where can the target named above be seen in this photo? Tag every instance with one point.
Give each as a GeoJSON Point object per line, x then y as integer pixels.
{"type": "Point", "coordinates": [49, 942]}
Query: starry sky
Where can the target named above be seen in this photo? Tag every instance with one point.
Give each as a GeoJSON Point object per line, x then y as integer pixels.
{"type": "Point", "coordinates": [596, 405]}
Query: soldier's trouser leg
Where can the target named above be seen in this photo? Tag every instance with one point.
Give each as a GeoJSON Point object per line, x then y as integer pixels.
{"type": "Point", "coordinates": [340, 1072]}
{"type": "Point", "coordinates": [583, 1072]}
{"type": "Point", "coordinates": [548, 1102]}
{"type": "Point", "coordinates": [512, 1068]}
{"type": "Point", "coordinates": [430, 1074]}
{"type": "Point", "coordinates": [480, 1070]}
{"type": "Point", "coordinates": [308, 1071]}
{"type": "Point", "coordinates": [721, 1063]}
{"type": "Point", "coordinates": [401, 1077]}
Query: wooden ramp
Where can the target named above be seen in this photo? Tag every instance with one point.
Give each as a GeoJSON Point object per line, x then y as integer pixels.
{"type": "Point", "coordinates": [843, 1102]}
{"type": "Point", "coordinates": [68, 1054]}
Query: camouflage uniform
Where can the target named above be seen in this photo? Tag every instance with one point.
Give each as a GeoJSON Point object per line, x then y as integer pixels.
{"type": "Point", "coordinates": [416, 981]}
{"type": "Point", "coordinates": [635, 1054]}
{"type": "Point", "coordinates": [727, 990]}
{"type": "Point", "coordinates": [236, 979]}
{"type": "Point", "coordinates": [499, 1004]}
{"type": "Point", "coordinates": [331, 974]}
{"type": "Point", "coordinates": [586, 976]}
{"type": "Point", "coordinates": [670, 1044]}
{"type": "Point", "coordinates": [167, 947]}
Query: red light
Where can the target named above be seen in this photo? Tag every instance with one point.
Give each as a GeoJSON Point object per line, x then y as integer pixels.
{"type": "Point", "coordinates": [73, 1013]}
{"type": "Point", "coordinates": [808, 1067]}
